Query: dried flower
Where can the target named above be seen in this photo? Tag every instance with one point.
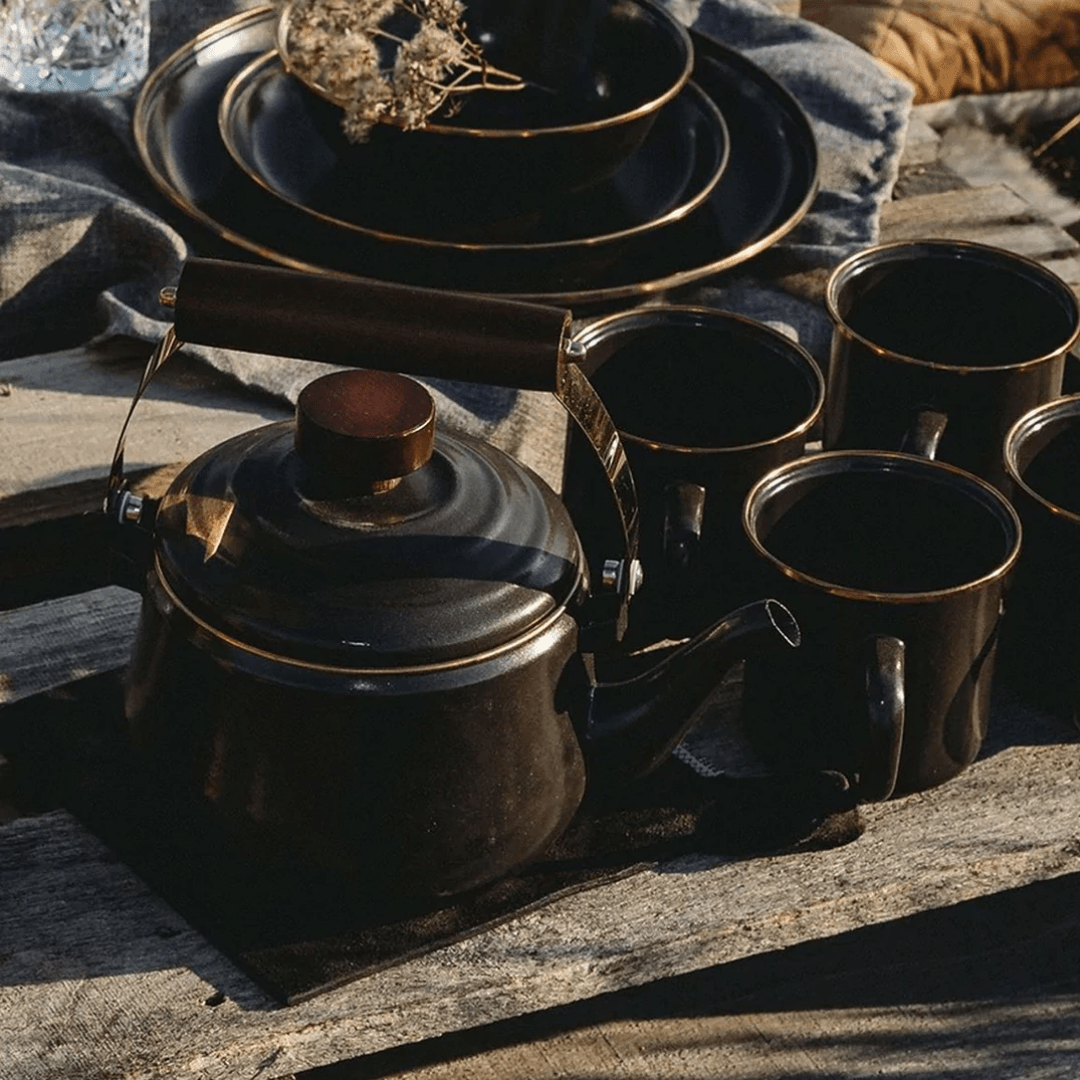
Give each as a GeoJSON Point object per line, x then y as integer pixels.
{"type": "Point", "coordinates": [396, 61]}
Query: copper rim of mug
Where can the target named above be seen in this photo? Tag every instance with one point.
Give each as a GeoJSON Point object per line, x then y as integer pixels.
{"type": "Point", "coordinates": [603, 329]}
{"type": "Point", "coordinates": [901, 251]}
{"type": "Point", "coordinates": [1032, 423]}
{"type": "Point", "coordinates": [827, 462]}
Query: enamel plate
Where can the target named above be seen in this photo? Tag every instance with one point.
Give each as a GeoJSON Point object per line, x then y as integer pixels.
{"type": "Point", "coordinates": [766, 188]}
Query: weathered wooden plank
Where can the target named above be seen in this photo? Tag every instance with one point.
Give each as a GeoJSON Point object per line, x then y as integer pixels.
{"type": "Point", "coordinates": [57, 642]}
{"type": "Point", "coordinates": [99, 979]}
{"type": "Point", "coordinates": [921, 144]}
{"type": "Point", "coordinates": [57, 541]}
{"type": "Point", "coordinates": [987, 988]}
{"type": "Point", "coordinates": [61, 415]}
{"type": "Point", "coordinates": [929, 179]}
{"type": "Point", "coordinates": [63, 501]}
{"type": "Point", "coordinates": [990, 215]}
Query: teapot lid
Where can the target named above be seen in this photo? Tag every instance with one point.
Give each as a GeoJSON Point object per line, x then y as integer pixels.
{"type": "Point", "coordinates": [359, 537]}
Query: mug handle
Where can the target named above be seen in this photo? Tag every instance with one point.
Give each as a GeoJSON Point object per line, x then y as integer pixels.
{"type": "Point", "coordinates": [684, 513]}
{"type": "Point", "coordinates": [884, 674]}
{"type": "Point", "coordinates": [925, 433]}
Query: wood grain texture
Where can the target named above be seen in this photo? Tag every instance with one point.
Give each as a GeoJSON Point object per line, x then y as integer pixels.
{"type": "Point", "coordinates": [57, 642]}
{"type": "Point", "coordinates": [99, 979]}
{"type": "Point", "coordinates": [988, 989]}
{"type": "Point", "coordinates": [61, 414]}
{"type": "Point", "coordinates": [993, 215]}
{"type": "Point", "coordinates": [63, 501]}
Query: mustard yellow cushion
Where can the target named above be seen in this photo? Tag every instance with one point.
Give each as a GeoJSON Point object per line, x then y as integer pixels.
{"type": "Point", "coordinates": [950, 47]}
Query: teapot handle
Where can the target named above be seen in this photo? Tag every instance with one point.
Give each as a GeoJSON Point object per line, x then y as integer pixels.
{"type": "Point", "coordinates": [358, 322]}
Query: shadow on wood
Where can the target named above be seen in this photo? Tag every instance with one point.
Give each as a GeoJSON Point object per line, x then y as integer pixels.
{"type": "Point", "coordinates": [985, 988]}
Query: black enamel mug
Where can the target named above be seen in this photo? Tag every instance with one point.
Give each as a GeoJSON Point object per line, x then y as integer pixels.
{"type": "Point", "coordinates": [895, 567]}
{"type": "Point", "coordinates": [706, 402]}
{"type": "Point", "coordinates": [1041, 633]}
{"type": "Point", "coordinates": [939, 346]}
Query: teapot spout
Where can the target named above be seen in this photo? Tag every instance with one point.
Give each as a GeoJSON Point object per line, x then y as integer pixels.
{"type": "Point", "coordinates": [634, 725]}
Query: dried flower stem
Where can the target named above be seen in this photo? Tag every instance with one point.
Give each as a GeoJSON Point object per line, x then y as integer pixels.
{"type": "Point", "coordinates": [334, 46]}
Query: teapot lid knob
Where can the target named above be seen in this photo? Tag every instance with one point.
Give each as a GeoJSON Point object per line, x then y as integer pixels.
{"type": "Point", "coordinates": [361, 431]}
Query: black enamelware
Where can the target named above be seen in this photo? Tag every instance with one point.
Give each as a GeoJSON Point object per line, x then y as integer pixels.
{"type": "Point", "coordinates": [596, 74]}
{"type": "Point", "coordinates": [896, 567]}
{"type": "Point", "coordinates": [769, 184]}
{"type": "Point", "coordinates": [706, 403]}
{"type": "Point", "coordinates": [940, 346]}
{"type": "Point", "coordinates": [276, 132]}
{"type": "Point", "coordinates": [1040, 648]}
{"type": "Point", "coordinates": [368, 645]}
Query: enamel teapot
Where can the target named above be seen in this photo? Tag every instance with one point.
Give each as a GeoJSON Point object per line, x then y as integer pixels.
{"type": "Point", "coordinates": [370, 643]}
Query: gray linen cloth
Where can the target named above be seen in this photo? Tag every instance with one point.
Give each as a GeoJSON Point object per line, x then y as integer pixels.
{"type": "Point", "coordinates": [87, 242]}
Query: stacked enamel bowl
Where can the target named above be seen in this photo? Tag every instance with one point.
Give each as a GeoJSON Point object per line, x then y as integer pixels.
{"type": "Point", "coordinates": [608, 138]}
{"type": "Point", "coordinates": [665, 159]}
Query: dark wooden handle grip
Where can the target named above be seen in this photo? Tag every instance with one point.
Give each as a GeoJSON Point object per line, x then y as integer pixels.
{"type": "Point", "coordinates": [362, 323]}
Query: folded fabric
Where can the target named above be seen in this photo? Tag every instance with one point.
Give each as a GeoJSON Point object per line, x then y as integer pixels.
{"type": "Point", "coordinates": [950, 47]}
{"type": "Point", "coordinates": [87, 242]}
{"type": "Point", "coordinates": [859, 116]}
